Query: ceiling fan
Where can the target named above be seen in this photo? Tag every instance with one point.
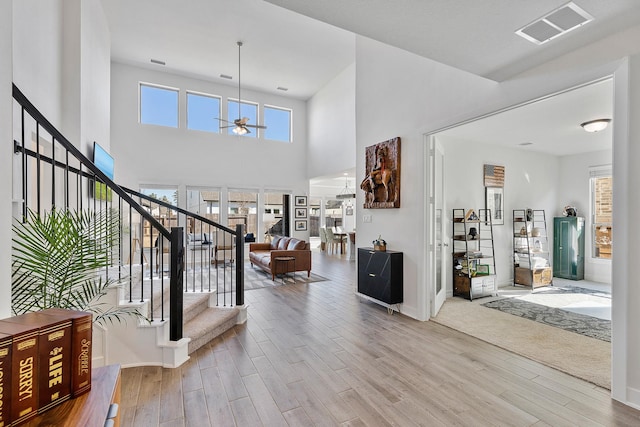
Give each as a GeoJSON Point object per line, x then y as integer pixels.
{"type": "Point", "coordinates": [240, 125]}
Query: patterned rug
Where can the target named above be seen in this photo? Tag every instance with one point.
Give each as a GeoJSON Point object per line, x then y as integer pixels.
{"type": "Point", "coordinates": [557, 317]}
{"type": "Point", "coordinates": [256, 278]}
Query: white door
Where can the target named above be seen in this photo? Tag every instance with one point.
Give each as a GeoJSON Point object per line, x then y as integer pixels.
{"type": "Point", "coordinates": [438, 247]}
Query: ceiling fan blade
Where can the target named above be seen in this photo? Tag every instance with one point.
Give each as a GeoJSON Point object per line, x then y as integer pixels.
{"type": "Point", "coordinates": [244, 120]}
{"type": "Point", "coordinates": [230, 126]}
{"type": "Point", "coordinates": [222, 120]}
{"type": "Point", "coordinates": [256, 126]}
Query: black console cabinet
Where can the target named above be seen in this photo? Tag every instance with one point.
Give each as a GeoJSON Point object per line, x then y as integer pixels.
{"type": "Point", "coordinates": [380, 275]}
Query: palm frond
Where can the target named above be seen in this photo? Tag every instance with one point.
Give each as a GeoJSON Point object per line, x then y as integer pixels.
{"type": "Point", "coordinates": [57, 258]}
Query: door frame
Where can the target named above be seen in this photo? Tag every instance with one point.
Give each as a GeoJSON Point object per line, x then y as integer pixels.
{"type": "Point", "coordinates": [435, 178]}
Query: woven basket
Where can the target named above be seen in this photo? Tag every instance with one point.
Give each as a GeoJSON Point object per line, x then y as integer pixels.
{"type": "Point", "coordinates": [380, 248]}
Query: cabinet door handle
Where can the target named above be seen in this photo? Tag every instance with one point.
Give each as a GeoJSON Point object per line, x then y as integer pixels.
{"type": "Point", "coordinates": [372, 275]}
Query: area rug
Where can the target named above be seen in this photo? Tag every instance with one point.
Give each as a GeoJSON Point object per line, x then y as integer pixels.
{"type": "Point", "coordinates": [256, 278]}
{"type": "Point", "coordinates": [572, 298]}
{"type": "Point", "coordinates": [577, 355]}
{"type": "Point", "coordinates": [556, 317]}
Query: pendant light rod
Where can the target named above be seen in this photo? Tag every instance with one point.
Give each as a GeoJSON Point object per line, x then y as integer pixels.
{"type": "Point", "coordinates": [239, 46]}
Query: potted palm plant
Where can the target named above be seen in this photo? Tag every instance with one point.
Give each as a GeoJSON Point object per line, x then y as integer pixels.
{"type": "Point", "coordinates": [57, 258]}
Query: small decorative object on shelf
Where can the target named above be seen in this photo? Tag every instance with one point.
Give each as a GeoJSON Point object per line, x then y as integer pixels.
{"type": "Point", "coordinates": [473, 233]}
{"type": "Point", "coordinates": [570, 211]}
{"type": "Point", "coordinates": [471, 215]}
{"type": "Point", "coordinates": [379, 244]}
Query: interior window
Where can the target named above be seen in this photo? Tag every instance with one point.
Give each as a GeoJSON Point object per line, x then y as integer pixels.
{"type": "Point", "coordinates": [278, 123]}
{"type": "Point", "coordinates": [602, 209]}
{"type": "Point", "coordinates": [248, 110]}
{"type": "Point", "coordinates": [203, 112]}
{"type": "Point", "coordinates": [242, 209]}
{"type": "Point", "coordinates": [272, 221]}
{"type": "Point", "coordinates": [158, 105]}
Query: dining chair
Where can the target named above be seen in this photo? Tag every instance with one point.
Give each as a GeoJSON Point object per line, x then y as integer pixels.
{"type": "Point", "coordinates": [335, 240]}
{"type": "Point", "coordinates": [323, 238]}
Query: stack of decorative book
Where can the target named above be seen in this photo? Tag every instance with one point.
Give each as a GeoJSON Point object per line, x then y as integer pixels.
{"type": "Point", "coordinates": [45, 359]}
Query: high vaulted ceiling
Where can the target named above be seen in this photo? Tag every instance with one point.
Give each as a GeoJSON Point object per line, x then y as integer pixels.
{"type": "Point", "coordinates": [473, 35]}
{"type": "Point", "coordinates": [303, 45]}
{"type": "Point", "coordinates": [197, 38]}
{"type": "Point", "coordinates": [287, 43]}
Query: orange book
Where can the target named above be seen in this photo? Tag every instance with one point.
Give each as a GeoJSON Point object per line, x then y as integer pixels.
{"type": "Point", "coordinates": [81, 336]}
{"type": "Point", "coordinates": [23, 388]}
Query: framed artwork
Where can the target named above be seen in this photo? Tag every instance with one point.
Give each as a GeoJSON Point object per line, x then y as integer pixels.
{"type": "Point", "coordinates": [482, 269]}
{"type": "Point", "coordinates": [493, 176]}
{"type": "Point", "coordinates": [301, 213]}
{"type": "Point", "coordinates": [301, 201]}
{"type": "Point", "coordinates": [348, 210]}
{"type": "Point", "coordinates": [494, 201]}
{"type": "Point", "coordinates": [301, 225]}
{"type": "Point", "coordinates": [381, 183]}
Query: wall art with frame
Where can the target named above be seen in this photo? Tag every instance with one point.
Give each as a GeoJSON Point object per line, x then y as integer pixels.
{"type": "Point", "coordinates": [301, 225]}
{"type": "Point", "coordinates": [494, 200]}
{"type": "Point", "coordinates": [300, 212]}
{"type": "Point", "coordinates": [301, 200]}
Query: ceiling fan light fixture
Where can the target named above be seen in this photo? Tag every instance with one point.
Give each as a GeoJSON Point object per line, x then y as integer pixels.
{"type": "Point", "coordinates": [595, 125]}
{"type": "Point", "coordinates": [240, 130]}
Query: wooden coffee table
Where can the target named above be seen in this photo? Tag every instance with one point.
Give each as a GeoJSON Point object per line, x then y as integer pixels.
{"type": "Point", "coordinates": [282, 266]}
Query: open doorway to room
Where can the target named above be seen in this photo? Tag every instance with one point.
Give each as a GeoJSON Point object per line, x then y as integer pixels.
{"type": "Point", "coordinates": [549, 162]}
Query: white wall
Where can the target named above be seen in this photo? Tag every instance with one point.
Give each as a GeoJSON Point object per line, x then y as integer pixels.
{"type": "Point", "coordinates": [6, 74]}
{"type": "Point", "coordinates": [574, 191]}
{"type": "Point", "coordinates": [332, 128]}
{"type": "Point", "coordinates": [95, 82]}
{"type": "Point", "coordinates": [530, 182]}
{"type": "Point", "coordinates": [158, 155]}
{"type": "Point", "coordinates": [37, 54]}
{"type": "Point", "coordinates": [424, 97]}
{"type": "Point", "coordinates": [398, 94]}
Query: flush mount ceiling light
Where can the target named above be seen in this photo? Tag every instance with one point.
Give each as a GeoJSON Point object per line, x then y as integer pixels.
{"type": "Point", "coordinates": [595, 125]}
{"type": "Point", "coordinates": [555, 23]}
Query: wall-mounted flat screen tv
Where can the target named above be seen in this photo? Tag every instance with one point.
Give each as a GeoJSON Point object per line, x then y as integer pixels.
{"type": "Point", "coordinates": [104, 161]}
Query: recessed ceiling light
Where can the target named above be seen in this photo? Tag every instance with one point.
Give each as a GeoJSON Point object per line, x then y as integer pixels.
{"type": "Point", "coordinates": [284, 89]}
{"type": "Point", "coordinates": [225, 76]}
{"type": "Point", "coordinates": [595, 125]}
{"type": "Point", "coordinates": [157, 61]}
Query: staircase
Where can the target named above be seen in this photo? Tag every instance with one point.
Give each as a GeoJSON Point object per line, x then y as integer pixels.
{"type": "Point", "coordinates": [199, 293]}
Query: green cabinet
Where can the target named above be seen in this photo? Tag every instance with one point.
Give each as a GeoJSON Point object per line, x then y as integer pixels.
{"type": "Point", "coordinates": [568, 247]}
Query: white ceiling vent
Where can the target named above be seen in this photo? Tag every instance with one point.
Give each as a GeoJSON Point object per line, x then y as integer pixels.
{"type": "Point", "coordinates": [555, 23]}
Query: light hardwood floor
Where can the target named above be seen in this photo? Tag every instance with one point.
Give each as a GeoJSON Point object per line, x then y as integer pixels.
{"type": "Point", "coordinates": [314, 354]}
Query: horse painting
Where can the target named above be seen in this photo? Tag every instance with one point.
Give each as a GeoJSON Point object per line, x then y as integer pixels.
{"type": "Point", "coordinates": [382, 182]}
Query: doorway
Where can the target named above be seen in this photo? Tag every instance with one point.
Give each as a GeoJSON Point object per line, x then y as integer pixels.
{"type": "Point", "coordinates": [535, 162]}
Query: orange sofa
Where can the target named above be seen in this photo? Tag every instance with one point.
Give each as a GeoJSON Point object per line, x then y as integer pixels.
{"type": "Point", "coordinates": [263, 254]}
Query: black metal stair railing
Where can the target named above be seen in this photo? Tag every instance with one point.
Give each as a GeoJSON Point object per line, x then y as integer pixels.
{"type": "Point", "coordinates": [50, 171]}
{"type": "Point", "coordinates": [213, 255]}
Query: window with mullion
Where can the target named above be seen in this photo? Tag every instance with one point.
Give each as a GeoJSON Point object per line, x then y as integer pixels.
{"type": "Point", "coordinates": [248, 110]}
